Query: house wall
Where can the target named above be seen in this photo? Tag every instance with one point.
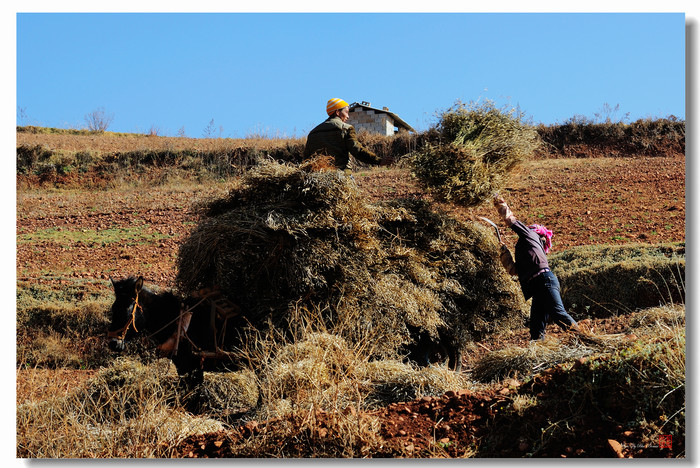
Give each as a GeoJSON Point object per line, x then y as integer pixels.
{"type": "Point", "coordinates": [371, 121]}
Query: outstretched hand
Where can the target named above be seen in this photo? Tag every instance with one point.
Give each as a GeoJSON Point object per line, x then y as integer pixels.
{"type": "Point", "coordinates": [500, 204]}
{"type": "Point", "coordinates": [503, 209]}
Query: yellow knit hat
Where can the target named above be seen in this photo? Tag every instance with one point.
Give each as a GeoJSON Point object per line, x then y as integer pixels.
{"type": "Point", "coordinates": [335, 104]}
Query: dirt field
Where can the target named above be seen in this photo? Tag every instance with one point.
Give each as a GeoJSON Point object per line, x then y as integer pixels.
{"type": "Point", "coordinates": [93, 235]}
{"type": "Point", "coordinates": [85, 234]}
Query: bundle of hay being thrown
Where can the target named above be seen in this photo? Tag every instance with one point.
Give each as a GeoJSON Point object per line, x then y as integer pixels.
{"type": "Point", "coordinates": [290, 238]}
{"type": "Point", "coordinates": [479, 145]}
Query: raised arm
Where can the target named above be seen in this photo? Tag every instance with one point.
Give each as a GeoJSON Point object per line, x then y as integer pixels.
{"type": "Point", "coordinates": [509, 218]}
{"type": "Point", "coordinates": [504, 210]}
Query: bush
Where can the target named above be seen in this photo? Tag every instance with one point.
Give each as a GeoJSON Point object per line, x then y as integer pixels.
{"type": "Point", "coordinates": [648, 137]}
{"type": "Point", "coordinates": [29, 156]}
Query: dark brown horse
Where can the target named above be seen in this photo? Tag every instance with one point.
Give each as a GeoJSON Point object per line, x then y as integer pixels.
{"type": "Point", "coordinates": [197, 333]}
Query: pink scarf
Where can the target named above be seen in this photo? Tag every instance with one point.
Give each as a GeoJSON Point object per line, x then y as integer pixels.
{"type": "Point", "coordinates": [543, 231]}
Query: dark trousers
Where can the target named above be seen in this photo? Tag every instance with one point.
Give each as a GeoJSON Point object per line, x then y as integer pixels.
{"type": "Point", "coordinates": [547, 305]}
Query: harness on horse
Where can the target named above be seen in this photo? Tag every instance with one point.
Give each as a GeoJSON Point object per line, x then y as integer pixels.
{"type": "Point", "coordinates": [221, 309]}
{"type": "Point", "coordinates": [121, 333]}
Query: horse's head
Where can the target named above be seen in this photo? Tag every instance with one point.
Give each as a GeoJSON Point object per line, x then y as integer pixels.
{"type": "Point", "coordinates": [127, 314]}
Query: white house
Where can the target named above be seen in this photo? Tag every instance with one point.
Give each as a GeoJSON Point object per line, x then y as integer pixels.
{"type": "Point", "coordinates": [365, 117]}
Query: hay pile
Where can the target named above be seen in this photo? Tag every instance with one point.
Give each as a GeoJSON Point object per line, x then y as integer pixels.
{"type": "Point", "coordinates": [479, 146]}
{"type": "Point", "coordinates": [130, 389]}
{"type": "Point", "coordinates": [224, 395]}
{"type": "Point", "coordinates": [289, 238]}
{"type": "Point", "coordinates": [129, 409]}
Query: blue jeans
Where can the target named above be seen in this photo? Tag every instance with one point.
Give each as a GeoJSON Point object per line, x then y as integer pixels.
{"type": "Point", "coordinates": [547, 305]}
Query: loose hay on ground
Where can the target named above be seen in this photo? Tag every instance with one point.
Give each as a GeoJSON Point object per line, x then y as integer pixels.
{"type": "Point", "coordinates": [647, 325]}
{"type": "Point", "coordinates": [322, 371]}
{"type": "Point", "coordinates": [394, 381]}
{"type": "Point", "coordinates": [224, 394]}
{"type": "Point", "coordinates": [517, 362]}
{"type": "Point", "coordinates": [127, 410]}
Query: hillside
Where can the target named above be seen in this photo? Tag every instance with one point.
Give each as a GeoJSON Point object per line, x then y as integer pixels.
{"type": "Point", "coordinates": [95, 206]}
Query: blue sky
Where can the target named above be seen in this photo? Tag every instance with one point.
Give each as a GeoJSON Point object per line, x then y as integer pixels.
{"type": "Point", "coordinates": [272, 73]}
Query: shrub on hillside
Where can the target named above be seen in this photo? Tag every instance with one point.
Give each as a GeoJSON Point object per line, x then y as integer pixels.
{"type": "Point", "coordinates": [648, 137]}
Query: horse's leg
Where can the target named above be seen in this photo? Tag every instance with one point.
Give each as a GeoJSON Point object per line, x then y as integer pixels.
{"type": "Point", "coordinates": [188, 366]}
{"type": "Point", "coordinates": [212, 325]}
{"type": "Point", "coordinates": [194, 377]}
{"type": "Point", "coordinates": [452, 351]}
{"type": "Point", "coordinates": [455, 359]}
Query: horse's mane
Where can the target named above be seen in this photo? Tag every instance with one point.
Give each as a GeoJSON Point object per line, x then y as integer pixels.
{"type": "Point", "coordinates": [131, 281]}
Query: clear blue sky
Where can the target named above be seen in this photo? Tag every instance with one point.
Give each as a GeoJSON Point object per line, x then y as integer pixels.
{"type": "Point", "coordinates": [272, 73]}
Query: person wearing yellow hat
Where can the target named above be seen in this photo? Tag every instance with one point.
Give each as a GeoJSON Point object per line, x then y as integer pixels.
{"type": "Point", "coordinates": [335, 137]}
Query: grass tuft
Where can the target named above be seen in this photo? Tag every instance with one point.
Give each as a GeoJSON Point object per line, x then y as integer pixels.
{"type": "Point", "coordinates": [599, 281]}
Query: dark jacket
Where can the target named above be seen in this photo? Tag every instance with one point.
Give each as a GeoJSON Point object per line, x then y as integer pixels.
{"type": "Point", "coordinates": [530, 258]}
{"type": "Point", "coordinates": [338, 139]}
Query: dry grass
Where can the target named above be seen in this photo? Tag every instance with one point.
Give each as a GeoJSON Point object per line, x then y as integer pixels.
{"type": "Point", "coordinates": [315, 371]}
{"type": "Point", "coordinates": [287, 237]}
{"type": "Point", "coordinates": [314, 382]}
{"type": "Point", "coordinates": [130, 409]}
{"type": "Point", "coordinates": [649, 325]}
{"type": "Point", "coordinates": [126, 410]}
{"type": "Point", "coordinates": [598, 281]}
{"type": "Point", "coordinates": [479, 146]}
{"type": "Point", "coordinates": [109, 142]}
{"type": "Point", "coordinates": [58, 327]}
{"type": "Point", "coordinates": [635, 381]}
{"type": "Point", "coordinates": [321, 371]}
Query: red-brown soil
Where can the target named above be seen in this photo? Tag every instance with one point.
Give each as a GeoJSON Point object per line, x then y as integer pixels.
{"type": "Point", "coordinates": [584, 201]}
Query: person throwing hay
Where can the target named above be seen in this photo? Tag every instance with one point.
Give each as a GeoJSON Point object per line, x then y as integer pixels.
{"type": "Point", "coordinates": [532, 268]}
